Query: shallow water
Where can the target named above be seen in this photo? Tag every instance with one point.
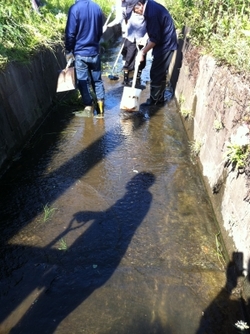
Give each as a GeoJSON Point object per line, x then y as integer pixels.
{"type": "Point", "coordinates": [129, 244]}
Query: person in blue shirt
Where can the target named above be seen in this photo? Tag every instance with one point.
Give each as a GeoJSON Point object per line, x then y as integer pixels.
{"type": "Point", "coordinates": [83, 32]}
{"type": "Point", "coordinates": [162, 40]}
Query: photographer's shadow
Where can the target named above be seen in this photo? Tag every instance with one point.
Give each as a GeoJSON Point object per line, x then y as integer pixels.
{"type": "Point", "coordinates": [91, 260]}
{"type": "Point", "coordinates": [225, 310]}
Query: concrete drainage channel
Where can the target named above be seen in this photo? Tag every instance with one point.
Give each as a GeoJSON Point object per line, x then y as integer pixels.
{"type": "Point", "coordinates": [23, 111]}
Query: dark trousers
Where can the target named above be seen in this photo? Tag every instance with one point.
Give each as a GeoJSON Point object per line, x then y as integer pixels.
{"type": "Point", "coordinates": [159, 68]}
{"type": "Point", "coordinates": [129, 53]}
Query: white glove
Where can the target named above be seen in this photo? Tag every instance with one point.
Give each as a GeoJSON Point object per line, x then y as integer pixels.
{"type": "Point", "coordinates": [140, 57]}
{"type": "Point", "coordinates": [143, 40]}
{"type": "Point", "coordinates": [69, 56]}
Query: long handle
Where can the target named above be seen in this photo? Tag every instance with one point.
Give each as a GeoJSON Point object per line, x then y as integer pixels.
{"type": "Point", "coordinates": [108, 18]}
{"type": "Point", "coordinates": [117, 58]}
{"type": "Point", "coordinates": [137, 64]}
{"type": "Point", "coordinates": [70, 61]}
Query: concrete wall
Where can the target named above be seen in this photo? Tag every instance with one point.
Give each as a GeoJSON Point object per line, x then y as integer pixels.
{"type": "Point", "coordinates": [215, 96]}
{"type": "Point", "coordinates": [26, 94]}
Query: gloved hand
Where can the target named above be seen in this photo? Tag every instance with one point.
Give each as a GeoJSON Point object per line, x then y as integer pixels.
{"type": "Point", "coordinates": [142, 41]}
{"type": "Point", "coordinates": [140, 57]}
{"type": "Point", "coordinates": [69, 56]}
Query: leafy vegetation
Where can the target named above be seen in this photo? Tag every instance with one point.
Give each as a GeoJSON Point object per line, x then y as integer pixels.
{"type": "Point", "coordinates": [236, 155]}
{"type": "Point", "coordinates": [48, 212]}
{"type": "Point", "coordinates": [24, 31]}
{"type": "Point", "coordinates": [187, 113]}
{"type": "Point", "coordinates": [221, 27]}
{"type": "Point", "coordinates": [195, 147]}
{"type": "Point", "coordinates": [218, 125]}
{"type": "Point", "coordinates": [62, 245]}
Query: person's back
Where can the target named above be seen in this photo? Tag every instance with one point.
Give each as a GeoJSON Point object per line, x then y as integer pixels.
{"type": "Point", "coordinates": [83, 32]}
{"type": "Point", "coordinates": [160, 28]}
{"type": "Point", "coordinates": [84, 28]}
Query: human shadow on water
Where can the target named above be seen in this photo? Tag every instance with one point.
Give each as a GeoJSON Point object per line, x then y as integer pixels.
{"type": "Point", "coordinates": [225, 310]}
{"type": "Point", "coordinates": [91, 259]}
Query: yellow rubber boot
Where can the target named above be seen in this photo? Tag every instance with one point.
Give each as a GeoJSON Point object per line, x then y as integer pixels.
{"type": "Point", "coordinates": [100, 108]}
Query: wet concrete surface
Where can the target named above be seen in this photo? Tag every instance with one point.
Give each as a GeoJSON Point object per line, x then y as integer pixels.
{"type": "Point", "coordinates": [106, 227]}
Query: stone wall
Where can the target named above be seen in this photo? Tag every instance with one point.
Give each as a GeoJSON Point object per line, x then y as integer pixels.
{"type": "Point", "coordinates": [213, 104]}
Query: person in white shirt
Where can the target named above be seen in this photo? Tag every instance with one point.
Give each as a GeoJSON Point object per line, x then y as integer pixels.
{"type": "Point", "coordinates": [135, 37]}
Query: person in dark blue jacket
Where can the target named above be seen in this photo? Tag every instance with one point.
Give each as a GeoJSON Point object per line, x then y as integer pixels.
{"type": "Point", "coordinates": [162, 40]}
{"type": "Point", "coordinates": [83, 32]}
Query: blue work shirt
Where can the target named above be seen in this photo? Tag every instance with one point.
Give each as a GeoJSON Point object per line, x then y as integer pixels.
{"type": "Point", "coordinates": [84, 28]}
{"type": "Point", "coordinates": [160, 28]}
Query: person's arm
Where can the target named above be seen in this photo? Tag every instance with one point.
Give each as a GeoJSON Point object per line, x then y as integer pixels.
{"type": "Point", "coordinates": [148, 47]}
{"type": "Point", "coordinates": [70, 33]}
{"type": "Point", "coordinates": [69, 36]}
{"type": "Point", "coordinates": [142, 41]}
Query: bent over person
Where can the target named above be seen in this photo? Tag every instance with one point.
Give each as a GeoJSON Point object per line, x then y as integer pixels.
{"type": "Point", "coordinates": [162, 40]}
{"type": "Point", "coordinates": [82, 36]}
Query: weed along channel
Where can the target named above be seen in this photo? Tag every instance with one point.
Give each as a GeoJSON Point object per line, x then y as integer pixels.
{"type": "Point", "coordinates": [107, 227]}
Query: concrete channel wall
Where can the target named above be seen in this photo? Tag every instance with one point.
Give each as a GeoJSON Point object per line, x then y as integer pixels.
{"type": "Point", "coordinates": [26, 94]}
{"type": "Point", "coordinates": [208, 94]}
{"type": "Point", "coordinates": [213, 102]}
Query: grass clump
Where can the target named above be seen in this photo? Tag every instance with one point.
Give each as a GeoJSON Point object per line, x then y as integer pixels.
{"type": "Point", "coordinates": [219, 250]}
{"type": "Point", "coordinates": [62, 245]}
{"type": "Point", "coordinates": [48, 213]}
{"type": "Point", "coordinates": [236, 156]}
{"type": "Point", "coordinates": [195, 147]}
{"type": "Point", "coordinates": [218, 125]}
{"type": "Point", "coordinates": [187, 113]}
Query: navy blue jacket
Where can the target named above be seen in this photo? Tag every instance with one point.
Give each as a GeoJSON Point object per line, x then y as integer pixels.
{"type": "Point", "coordinates": [84, 28]}
{"type": "Point", "coordinates": [160, 28]}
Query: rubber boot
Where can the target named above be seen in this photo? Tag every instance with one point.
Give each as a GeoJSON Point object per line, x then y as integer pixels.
{"type": "Point", "coordinates": [86, 112]}
{"type": "Point", "coordinates": [156, 96]}
{"type": "Point", "coordinates": [100, 108]}
{"type": "Point", "coordinates": [169, 92]}
{"type": "Point", "coordinates": [126, 78]}
{"type": "Point", "coordinates": [138, 79]}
